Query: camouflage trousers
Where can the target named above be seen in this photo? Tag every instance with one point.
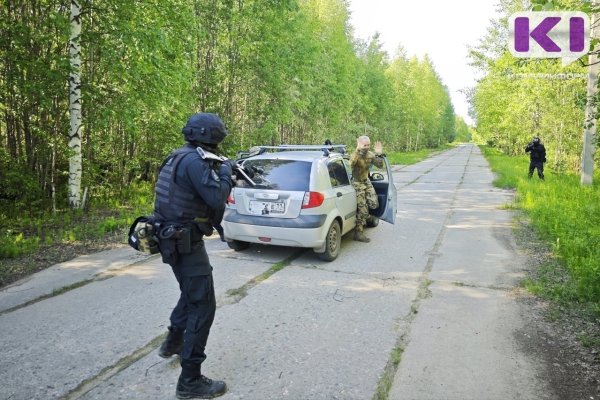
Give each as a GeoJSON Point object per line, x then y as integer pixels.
{"type": "Point", "coordinates": [365, 198]}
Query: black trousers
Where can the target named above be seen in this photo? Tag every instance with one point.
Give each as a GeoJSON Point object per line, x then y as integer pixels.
{"type": "Point", "coordinates": [539, 165]}
{"type": "Point", "coordinates": [194, 313]}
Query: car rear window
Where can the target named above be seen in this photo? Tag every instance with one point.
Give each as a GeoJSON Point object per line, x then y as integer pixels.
{"type": "Point", "coordinates": [280, 174]}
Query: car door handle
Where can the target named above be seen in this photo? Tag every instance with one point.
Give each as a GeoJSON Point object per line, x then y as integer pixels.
{"type": "Point", "coordinates": [339, 194]}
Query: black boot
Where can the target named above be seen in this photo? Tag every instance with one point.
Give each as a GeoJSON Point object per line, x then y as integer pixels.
{"type": "Point", "coordinates": [359, 236]}
{"type": "Point", "coordinates": [172, 344]}
{"type": "Point", "coordinates": [193, 385]}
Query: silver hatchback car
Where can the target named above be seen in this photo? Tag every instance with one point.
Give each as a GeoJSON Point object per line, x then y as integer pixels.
{"type": "Point", "coordinates": [301, 196]}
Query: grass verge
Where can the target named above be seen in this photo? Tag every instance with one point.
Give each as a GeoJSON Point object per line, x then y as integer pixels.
{"type": "Point", "coordinates": [413, 157]}
{"type": "Point", "coordinates": [566, 216]}
{"type": "Point", "coordinates": [29, 243]}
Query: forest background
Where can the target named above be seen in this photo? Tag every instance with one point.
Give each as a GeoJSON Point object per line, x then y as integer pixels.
{"type": "Point", "coordinates": [276, 71]}
{"type": "Point", "coordinates": [280, 71]}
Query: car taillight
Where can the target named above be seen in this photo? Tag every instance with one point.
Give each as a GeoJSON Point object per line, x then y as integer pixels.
{"type": "Point", "coordinates": [230, 198]}
{"type": "Point", "coordinates": [312, 199]}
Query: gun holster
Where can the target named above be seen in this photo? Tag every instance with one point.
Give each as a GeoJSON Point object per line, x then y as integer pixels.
{"type": "Point", "coordinates": [175, 240]}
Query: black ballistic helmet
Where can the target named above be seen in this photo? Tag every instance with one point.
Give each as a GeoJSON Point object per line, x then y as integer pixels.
{"type": "Point", "coordinates": [204, 128]}
{"type": "Point", "coordinates": [536, 140]}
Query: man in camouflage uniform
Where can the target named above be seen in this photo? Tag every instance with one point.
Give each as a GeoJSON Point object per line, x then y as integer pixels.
{"type": "Point", "coordinates": [366, 198]}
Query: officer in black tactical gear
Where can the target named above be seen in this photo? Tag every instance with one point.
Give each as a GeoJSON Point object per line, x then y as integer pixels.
{"type": "Point", "coordinates": [537, 156]}
{"type": "Point", "coordinates": [190, 198]}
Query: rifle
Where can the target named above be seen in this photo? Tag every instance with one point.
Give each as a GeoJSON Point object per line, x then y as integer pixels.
{"type": "Point", "coordinates": [239, 170]}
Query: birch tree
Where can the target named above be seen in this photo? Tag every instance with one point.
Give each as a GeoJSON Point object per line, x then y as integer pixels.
{"type": "Point", "coordinates": [589, 130]}
{"type": "Point", "coordinates": [75, 159]}
{"type": "Point", "coordinates": [285, 71]}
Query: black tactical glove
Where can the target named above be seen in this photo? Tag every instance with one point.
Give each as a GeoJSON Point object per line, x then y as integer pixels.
{"type": "Point", "coordinates": [226, 169]}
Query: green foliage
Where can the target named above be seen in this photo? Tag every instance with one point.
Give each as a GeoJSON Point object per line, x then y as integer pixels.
{"type": "Point", "coordinates": [422, 105]}
{"type": "Point", "coordinates": [23, 235]}
{"type": "Point", "coordinates": [108, 225]}
{"type": "Point", "coordinates": [277, 72]}
{"type": "Point", "coordinates": [566, 215]}
{"type": "Point", "coordinates": [14, 244]}
{"type": "Point", "coordinates": [463, 132]}
{"type": "Point", "coordinates": [509, 170]}
{"type": "Point", "coordinates": [516, 100]}
{"type": "Point", "coordinates": [521, 98]}
{"type": "Point", "coordinates": [20, 190]}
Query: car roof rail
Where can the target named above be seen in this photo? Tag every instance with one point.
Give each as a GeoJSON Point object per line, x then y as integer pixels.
{"type": "Point", "coordinates": [325, 148]}
{"type": "Point", "coordinates": [253, 151]}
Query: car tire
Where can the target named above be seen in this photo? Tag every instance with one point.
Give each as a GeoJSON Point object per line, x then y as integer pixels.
{"type": "Point", "coordinates": [372, 221]}
{"type": "Point", "coordinates": [333, 242]}
{"type": "Point", "coordinates": [238, 245]}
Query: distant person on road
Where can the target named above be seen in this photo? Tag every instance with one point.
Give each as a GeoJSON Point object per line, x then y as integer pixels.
{"type": "Point", "coordinates": [366, 198]}
{"type": "Point", "coordinates": [191, 192]}
{"type": "Point", "coordinates": [537, 157]}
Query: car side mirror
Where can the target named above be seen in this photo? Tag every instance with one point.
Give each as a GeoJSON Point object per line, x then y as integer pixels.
{"type": "Point", "coordinates": [377, 176]}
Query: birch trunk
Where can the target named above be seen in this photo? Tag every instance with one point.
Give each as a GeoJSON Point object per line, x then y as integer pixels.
{"type": "Point", "coordinates": [589, 129]}
{"type": "Point", "coordinates": [75, 160]}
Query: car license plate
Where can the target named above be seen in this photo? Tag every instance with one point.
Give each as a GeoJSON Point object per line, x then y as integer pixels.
{"type": "Point", "coordinates": [266, 207]}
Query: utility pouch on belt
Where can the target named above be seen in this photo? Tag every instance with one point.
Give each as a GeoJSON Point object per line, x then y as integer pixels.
{"type": "Point", "coordinates": [184, 243]}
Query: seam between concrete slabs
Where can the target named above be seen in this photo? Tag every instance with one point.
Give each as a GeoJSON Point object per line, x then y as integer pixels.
{"type": "Point", "coordinates": [236, 295]}
{"type": "Point", "coordinates": [405, 323]}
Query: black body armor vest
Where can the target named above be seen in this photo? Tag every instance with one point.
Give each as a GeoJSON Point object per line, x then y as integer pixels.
{"type": "Point", "coordinates": [173, 202]}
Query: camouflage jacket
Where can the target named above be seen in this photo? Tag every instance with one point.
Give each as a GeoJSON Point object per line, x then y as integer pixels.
{"type": "Point", "coordinates": [360, 165]}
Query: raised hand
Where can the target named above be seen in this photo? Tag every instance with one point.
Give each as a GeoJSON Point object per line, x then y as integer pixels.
{"type": "Point", "coordinates": [378, 147]}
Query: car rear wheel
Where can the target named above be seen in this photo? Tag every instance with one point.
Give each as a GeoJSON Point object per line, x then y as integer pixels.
{"type": "Point", "coordinates": [333, 242]}
{"type": "Point", "coordinates": [238, 245]}
{"type": "Point", "coordinates": [372, 221]}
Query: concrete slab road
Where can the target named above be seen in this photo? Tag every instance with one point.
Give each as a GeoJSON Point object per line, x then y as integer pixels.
{"type": "Point", "coordinates": [425, 311]}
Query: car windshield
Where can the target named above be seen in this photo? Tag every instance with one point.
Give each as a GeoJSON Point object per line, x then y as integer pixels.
{"type": "Point", "coordinates": [280, 174]}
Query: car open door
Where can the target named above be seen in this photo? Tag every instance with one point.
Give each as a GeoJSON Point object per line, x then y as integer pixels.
{"type": "Point", "coordinates": [383, 182]}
